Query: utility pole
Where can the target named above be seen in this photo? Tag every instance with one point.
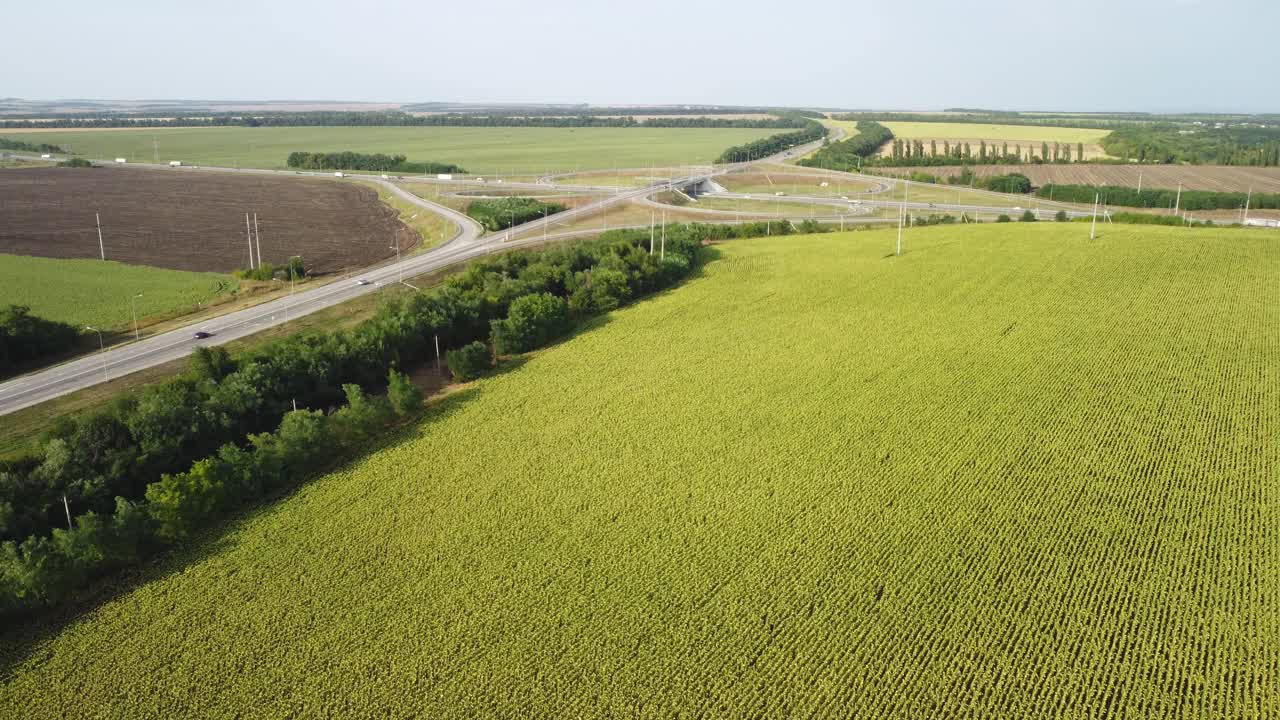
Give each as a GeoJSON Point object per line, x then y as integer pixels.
{"type": "Point", "coordinates": [1139, 182]}
{"type": "Point", "coordinates": [101, 250]}
{"type": "Point", "coordinates": [66, 506]}
{"type": "Point", "coordinates": [650, 232]}
{"type": "Point", "coordinates": [1178, 202]}
{"type": "Point", "coordinates": [249, 234]}
{"type": "Point", "coordinates": [133, 305]}
{"type": "Point", "coordinates": [663, 256]}
{"type": "Point", "coordinates": [1093, 227]}
{"type": "Point", "coordinates": [258, 237]}
{"type": "Point", "coordinates": [101, 350]}
{"type": "Point", "coordinates": [438, 368]}
{"type": "Point", "coordinates": [1247, 198]}
{"type": "Point", "coordinates": [902, 215]}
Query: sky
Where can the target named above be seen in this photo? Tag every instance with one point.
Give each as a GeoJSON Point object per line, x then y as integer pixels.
{"type": "Point", "coordinates": [1088, 55]}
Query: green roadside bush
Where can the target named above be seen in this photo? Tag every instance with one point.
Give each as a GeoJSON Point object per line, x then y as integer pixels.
{"type": "Point", "coordinates": [469, 361]}
{"type": "Point", "coordinates": [532, 321]}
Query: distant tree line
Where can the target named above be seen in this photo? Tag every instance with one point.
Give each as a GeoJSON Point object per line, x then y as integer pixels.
{"type": "Point", "coordinates": [26, 339]}
{"type": "Point", "coordinates": [348, 160]}
{"type": "Point", "coordinates": [20, 146]}
{"type": "Point", "coordinates": [1243, 145]}
{"type": "Point", "coordinates": [589, 110]}
{"type": "Point", "coordinates": [850, 154]}
{"type": "Point", "coordinates": [367, 119]}
{"type": "Point", "coordinates": [501, 213]}
{"type": "Point", "coordinates": [915, 153]}
{"type": "Point", "coordinates": [154, 467]}
{"type": "Point", "coordinates": [774, 143]}
{"type": "Point", "coordinates": [1159, 197]}
{"type": "Point", "coordinates": [1092, 122]}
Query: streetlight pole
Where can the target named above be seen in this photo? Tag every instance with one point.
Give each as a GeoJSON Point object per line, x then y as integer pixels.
{"type": "Point", "coordinates": [102, 348]}
{"type": "Point", "coordinates": [133, 305]}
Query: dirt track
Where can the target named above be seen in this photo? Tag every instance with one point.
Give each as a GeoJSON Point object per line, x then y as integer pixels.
{"type": "Point", "coordinates": [194, 220]}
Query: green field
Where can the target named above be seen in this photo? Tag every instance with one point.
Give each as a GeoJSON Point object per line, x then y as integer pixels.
{"type": "Point", "coordinates": [97, 293]}
{"type": "Point", "coordinates": [979, 131]}
{"type": "Point", "coordinates": [485, 151]}
{"type": "Point", "coordinates": [1010, 474]}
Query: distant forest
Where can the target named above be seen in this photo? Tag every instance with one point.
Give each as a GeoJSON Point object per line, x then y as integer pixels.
{"type": "Point", "coordinates": [376, 119]}
{"type": "Point", "coordinates": [1233, 145]}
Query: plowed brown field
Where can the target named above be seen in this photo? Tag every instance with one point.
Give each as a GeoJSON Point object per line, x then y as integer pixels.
{"type": "Point", "coordinates": [1192, 177]}
{"type": "Point", "coordinates": [194, 220]}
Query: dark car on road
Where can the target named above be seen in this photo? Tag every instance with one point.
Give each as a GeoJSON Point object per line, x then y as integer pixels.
{"type": "Point", "coordinates": [200, 335]}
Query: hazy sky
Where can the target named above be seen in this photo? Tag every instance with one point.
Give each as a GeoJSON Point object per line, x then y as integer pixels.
{"type": "Point", "coordinates": [911, 54]}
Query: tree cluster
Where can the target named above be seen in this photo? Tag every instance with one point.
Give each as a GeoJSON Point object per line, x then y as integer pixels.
{"type": "Point", "coordinates": [852, 153]}
{"type": "Point", "coordinates": [1249, 145]}
{"type": "Point", "coordinates": [20, 146]}
{"type": "Point", "coordinates": [348, 160]}
{"type": "Point", "coordinates": [1159, 197]}
{"type": "Point", "coordinates": [773, 144]}
{"type": "Point", "coordinates": [26, 339]}
{"type": "Point", "coordinates": [501, 213]}
{"type": "Point", "coordinates": [1012, 183]}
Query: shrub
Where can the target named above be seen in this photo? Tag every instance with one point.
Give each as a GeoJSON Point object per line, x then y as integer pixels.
{"type": "Point", "coordinates": [405, 397]}
{"type": "Point", "coordinates": [469, 361]}
{"type": "Point", "coordinates": [1027, 216]}
{"type": "Point", "coordinates": [532, 321]}
{"type": "Point", "coordinates": [1013, 183]}
{"type": "Point", "coordinates": [1004, 218]}
{"type": "Point", "coordinates": [598, 290]}
{"type": "Point", "coordinates": [1061, 216]}
{"type": "Point", "coordinates": [75, 163]}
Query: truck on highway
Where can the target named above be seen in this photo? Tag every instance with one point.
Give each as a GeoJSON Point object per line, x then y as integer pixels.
{"type": "Point", "coordinates": [338, 174]}
{"type": "Point", "coordinates": [444, 176]}
{"type": "Point", "coordinates": [175, 163]}
{"type": "Point", "coordinates": [45, 156]}
{"type": "Point", "coordinates": [122, 160]}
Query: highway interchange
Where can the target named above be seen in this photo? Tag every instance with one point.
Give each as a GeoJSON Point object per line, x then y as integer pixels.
{"type": "Point", "coordinates": [468, 242]}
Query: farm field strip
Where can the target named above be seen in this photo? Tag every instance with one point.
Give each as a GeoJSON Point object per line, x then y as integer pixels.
{"type": "Point", "coordinates": [799, 184]}
{"type": "Point", "coordinates": [1000, 476]}
{"type": "Point", "coordinates": [193, 220]}
{"type": "Point", "coordinates": [486, 151]}
{"type": "Point", "coordinates": [1192, 177]}
{"type": "Point", "coordinates": [1011, 133]}
{"type": "Point", "coordinates": [101, 294]}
